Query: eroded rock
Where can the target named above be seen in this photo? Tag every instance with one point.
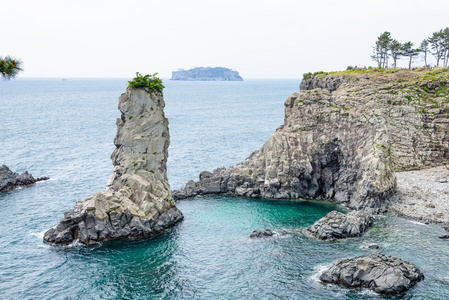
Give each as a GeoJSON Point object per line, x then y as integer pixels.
{"type": "Point", "coordinates": [262, 233]}
{"type": "Point", "coordinates": [336, 225]}
{"type": "Point", "coordinates": [342, 141]}
{"type": "Point", "coordinates": [10, 180]}
{"type": "Point", "coordinates": [381, 273]}
{"type": "Point", "coordinates": [138, 201]}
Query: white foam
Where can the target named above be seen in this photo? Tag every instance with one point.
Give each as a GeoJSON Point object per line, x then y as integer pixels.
{"type": "Point", "coordinates": [417, 223]}
{"type": "Point", "coordinates": [39, 235]}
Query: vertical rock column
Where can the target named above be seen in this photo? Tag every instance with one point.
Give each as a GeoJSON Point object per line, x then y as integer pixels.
{"type": "Point", "coordinates": [137, 202]}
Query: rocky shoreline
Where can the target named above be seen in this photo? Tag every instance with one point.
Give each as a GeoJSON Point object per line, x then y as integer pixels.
{"type": "Point", "coordinates": [353, 141]}
{"type": "Point", "coordinates": [10, 180]}
{"type": "Point", "coordinates": [423, 195]}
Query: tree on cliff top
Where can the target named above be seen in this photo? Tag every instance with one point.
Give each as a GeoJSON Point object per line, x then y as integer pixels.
{"type": "Point", "coordinates": [439, 42]}
{"type": "Point", "coordinates": [424, 49]}
{"type": "Point", "coordinates": [380, 49]}
{"type": "Point", "coordinates": [9, 67]}
{"type": "Point", "coordinates": [395, 49]}
{"type": "Point", "coordinates": [410, 52]}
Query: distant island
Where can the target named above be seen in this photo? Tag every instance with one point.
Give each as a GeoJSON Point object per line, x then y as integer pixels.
{"type": "Point", "coordinates": [207, 74]}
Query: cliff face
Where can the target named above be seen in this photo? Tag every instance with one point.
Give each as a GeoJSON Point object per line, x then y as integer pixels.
{"type": "Point", "coordinates": [138, 200]}
{"type": "Point", "coordinates": [207, 74]}
{"type": "Point", "coordinates": [342, 139]}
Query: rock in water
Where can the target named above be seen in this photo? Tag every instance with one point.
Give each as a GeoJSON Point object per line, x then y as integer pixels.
{"type": "Point", "coordinates": [10, 180]}
{"type": "Point", "coordinates": [261, 233]}
{"type": "Point", "coordinates": [336, 225]}
{"type": "Point", "coordinates": [138, 201]}
{"type": "Point", "coordinates": [381, 273]}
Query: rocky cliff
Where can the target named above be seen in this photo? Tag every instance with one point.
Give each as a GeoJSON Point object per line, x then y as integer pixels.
{"type": "Point", "coordinates": [207, 74]}
{"type": "Point", "coordinates": [343, 137]}
{"type": "Point", "coordinates": [138, 201]}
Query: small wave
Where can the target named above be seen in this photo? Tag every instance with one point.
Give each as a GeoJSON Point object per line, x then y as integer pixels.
{"type": "Point", "coordinates": [318, 270]}
{"type": "Point", "coordinates": [39, 235]}
{"type": "Point", "coordinates": [416, 222]}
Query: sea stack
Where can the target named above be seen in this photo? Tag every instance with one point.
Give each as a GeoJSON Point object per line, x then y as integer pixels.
{"type": "Point", "coordinates": [137, 202]}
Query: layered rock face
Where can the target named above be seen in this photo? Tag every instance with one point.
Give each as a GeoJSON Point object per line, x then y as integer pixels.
{"type": "Point", "coordinates": [10, 180]}
{"type": "Point", "coordinates": [342, 141]}
{"type": "Point", "coordinates": [138, 201]}
{"type": "Point", "coordinates": [381, 273]}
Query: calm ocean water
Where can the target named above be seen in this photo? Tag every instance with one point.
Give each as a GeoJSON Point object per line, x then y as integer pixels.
{"type": "Point", "coordinates": [65, 130]}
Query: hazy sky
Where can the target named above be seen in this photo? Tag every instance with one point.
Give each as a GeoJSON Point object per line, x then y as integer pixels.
{"type": "Point", "coordinates": [260, 39]}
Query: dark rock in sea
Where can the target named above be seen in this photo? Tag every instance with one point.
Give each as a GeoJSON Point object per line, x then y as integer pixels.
{"type": "Point", "coordinates": [444, 236]}
{"type": "Point", "coordinates": [207, 74]}
{"type": "Point", "coordinates": [138, 202]}
{"type": "Point", "coordinates": [10, 180]}
{"type": "Point", "coordinates": [336, 225]}
{"type": "Point", "coordinates": [373, 246]}
{"type": "Point", "coordinates": [262, 233]}
{"type": "Point", "coordinates": [381, 273]}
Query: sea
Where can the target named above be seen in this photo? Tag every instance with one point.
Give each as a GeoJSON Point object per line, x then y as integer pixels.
{"type": "Point", "coordinates": [64, 129]}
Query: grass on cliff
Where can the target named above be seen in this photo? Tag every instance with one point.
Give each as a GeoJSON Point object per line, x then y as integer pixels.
{"type": "Point", "coordinates": [153, 83]}
{"type": "Point", "coordinates": [416, 74]}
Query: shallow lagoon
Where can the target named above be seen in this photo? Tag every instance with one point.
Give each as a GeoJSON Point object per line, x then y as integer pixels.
{"type": "Point", "coordinates": [64, 130]}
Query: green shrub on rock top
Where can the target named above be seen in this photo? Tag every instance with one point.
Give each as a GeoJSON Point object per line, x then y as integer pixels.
{"type": "Point", "coordinates": [151, 82]}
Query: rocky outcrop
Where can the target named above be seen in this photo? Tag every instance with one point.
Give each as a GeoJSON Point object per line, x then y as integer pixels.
{"type": "Point", "coordinates": [207, 74]}
{"type": "Point", "coordinates": [138, 202]}
{"type": "Point", "coordinates": [336, 225]}
{"type": "Point", "coordinates": [342, 141]}
{"type": "Point", "coordinates": [262, 233]}
{"type": "Point", "coordinates": [10, 180]}
{"type": "Point", "coordinates": [383, 274]}
{"type": "Point", "coordinates": [330, 83]}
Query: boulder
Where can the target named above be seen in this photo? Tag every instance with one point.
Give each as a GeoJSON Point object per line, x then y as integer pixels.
{"type": "Point", "coordinates": [262, 233]}
{"type": "Point", "coordinates": [137, 202]}
{"type": "Point", "coordinates": [336, 225]}
{"type": "Point", "coordinates": [381, 273]}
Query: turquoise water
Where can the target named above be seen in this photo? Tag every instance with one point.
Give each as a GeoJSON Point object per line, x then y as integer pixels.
{"type": "Point", "coordinates": [64, 130]}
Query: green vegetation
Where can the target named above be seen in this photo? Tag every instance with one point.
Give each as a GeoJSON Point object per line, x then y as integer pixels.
{"type": "Point", "coordinates": [386, 47]}
{"type": "Point", "coordinates": [153, 83]}
{"type": "Point", "coordinates": [9, 67]}
{"type": "Point", "coordinates": [311, 75]}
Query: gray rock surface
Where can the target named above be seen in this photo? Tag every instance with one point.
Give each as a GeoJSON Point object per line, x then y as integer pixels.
{"type": "Point", "coordinates": [336, 225]}
{"type": "Point", "coordinates": [262, 233]}
{"type": "Point", "coordinates": [381, 273]}
{"type": "Point", "coordinates": [423, 195]}
{"type": "Point", "coordinates": [10, 180]}
{"type": "Point", "coordinates": [138, 201]}
{"type": "Point", "coordinates": [342, 140]}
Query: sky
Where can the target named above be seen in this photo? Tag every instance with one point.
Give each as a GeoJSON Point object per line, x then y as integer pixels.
{"type": "Point", "coordinates": [259, 39]}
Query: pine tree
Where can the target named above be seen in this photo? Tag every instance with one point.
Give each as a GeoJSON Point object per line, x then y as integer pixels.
{"type": "Point", "coordinates": [424, 47]}
{"type": "Point", "coordinates": [9, 67]}
{"type": "Point", "coordinates": [380, 50]}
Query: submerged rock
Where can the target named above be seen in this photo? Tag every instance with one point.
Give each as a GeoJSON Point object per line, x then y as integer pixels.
{"type": "Point", "coordinates": [381, 273]}
{"type": "Point", "coordinates": [261, 233]}
{"type": "Point", "coordinates": [137, 202]}
{"type": "Point", "coordinates": [336, 225]}
{"type": "Point", "coordinates": [10, 180]}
